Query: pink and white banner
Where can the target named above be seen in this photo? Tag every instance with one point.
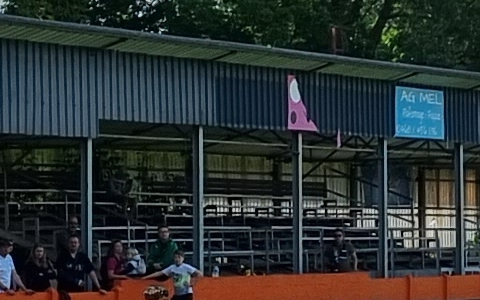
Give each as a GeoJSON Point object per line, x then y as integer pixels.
{"type": "Point", "coordinates": [298, 119]}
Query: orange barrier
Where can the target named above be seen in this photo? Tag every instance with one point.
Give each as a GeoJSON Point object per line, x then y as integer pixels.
{"type": "Point", "coordinates": [355, 286]}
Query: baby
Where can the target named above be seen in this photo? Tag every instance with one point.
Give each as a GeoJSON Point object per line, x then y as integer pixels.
{"type": "Point", "coordinates": [135, 265]}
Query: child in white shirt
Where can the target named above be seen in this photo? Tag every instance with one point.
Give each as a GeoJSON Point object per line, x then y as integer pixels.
{"type": "Point", "coordinates": [181, 274]}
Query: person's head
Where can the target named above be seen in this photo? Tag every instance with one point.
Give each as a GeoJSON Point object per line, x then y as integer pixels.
{"type": "Point", "coordinates": [163, 233]}
{"type": "Point", "coordinates": [10, 246]}
{"type": "Point", "coordinates": [116, 248]}
{"type": "Point", "coordinates": [4, 245]}
{"type": "Point", "coordinates": [38, 255]}
{"type": "Point", "coordinates": [131, 253]}
{"type": "Point", "coordinates": [178, 257]}
{"type": "Point", "coordinates": [72, 225]}
{"type": "Point", "coordinates": [73, 244]}
{"type": "Point", "coordinates": [339, 235]}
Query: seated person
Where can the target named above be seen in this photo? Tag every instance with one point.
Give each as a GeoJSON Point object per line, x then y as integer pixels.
{"type": "Point", "coordinates": [135, 264]}
{"type": "Point", "coordinates": [161, 253]}
{"type": "Point", "coordinates": [39, 273]}
{"type": "Point", "coordinates": [341, 256]}
{"type": "Point", "coordinates": [113, 267]}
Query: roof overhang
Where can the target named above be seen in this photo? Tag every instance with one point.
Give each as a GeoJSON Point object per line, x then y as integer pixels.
{"type": "Point", "coordinates": [80, 35]}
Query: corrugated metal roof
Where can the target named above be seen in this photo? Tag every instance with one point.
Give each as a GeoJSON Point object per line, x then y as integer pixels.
{"type": "Point", "coordinates": [69, 34]}
{"type": "Point", "coordinates": [52, 90]}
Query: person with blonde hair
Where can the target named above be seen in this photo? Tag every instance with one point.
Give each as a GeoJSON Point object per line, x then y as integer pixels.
{"type": "Point", "coordinates": [135, 265]}
{"type": "Point", "coordinates": [39, 273]}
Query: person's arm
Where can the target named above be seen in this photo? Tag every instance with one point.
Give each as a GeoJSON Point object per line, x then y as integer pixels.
{"type": "Point", "coordinates": [167, 272]}
{"type": "Point", "coordinates": [353, 255]}
{"type": "Point", "coordinates": [90, 271]}
{"type": "Point", "coordinates": [328, 254]}
{"type": "Point", "coordinates": [196, 275]}
{"type": "Point", "coordinates": [355, 261]}
{"type": "Point", "coordinates": [3, 287]}
{"type": "Point", "coordinates": [111, 264]}
{"type": "Point", "coordinates": [20, 284]}
{"type": "Point", "coordinates": [95, 282]}
{"type": "Point", "coordinates": [14, 284]}
{"type": "Point", "coordinates": [154, 275]}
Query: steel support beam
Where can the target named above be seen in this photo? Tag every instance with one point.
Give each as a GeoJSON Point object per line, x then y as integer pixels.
{"type": "Point", "coordinates": [86, 198]}
{"type": "Point", "coordinates": [459, 209]}
{"type": "Point", "coordinates": [198, 197]}
{"type": "Point", "coordinates": [297, 199]}
{"type": "Point", "coordinates": [382, 208]}
{"type": "Point", "coordinates": [422, 205]}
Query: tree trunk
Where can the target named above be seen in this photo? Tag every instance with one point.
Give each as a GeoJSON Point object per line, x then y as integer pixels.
{"type": "Point", "coordinates": [376, 33]}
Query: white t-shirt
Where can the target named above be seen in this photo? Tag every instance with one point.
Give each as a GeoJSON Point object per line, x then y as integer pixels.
{"type": "Point", "coordinates": [181, 275]}
{"type": "Point", "coordinates": [6, 269]}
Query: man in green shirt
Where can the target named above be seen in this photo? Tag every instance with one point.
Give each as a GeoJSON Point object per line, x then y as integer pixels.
{"type": "Point", "coordinates": [161, 253]}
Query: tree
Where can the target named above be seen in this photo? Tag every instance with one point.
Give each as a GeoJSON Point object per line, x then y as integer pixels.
{"type": "Point", "coordinates": [440, 32]}
{"type": "Point", "coordinates": [60, 10]}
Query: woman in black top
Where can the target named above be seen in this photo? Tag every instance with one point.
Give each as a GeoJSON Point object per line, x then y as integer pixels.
{"type": "Point", "coordinates": [39, 270]}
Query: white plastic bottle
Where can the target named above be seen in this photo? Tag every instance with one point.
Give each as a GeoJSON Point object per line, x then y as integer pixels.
{"type": "Point", "coordinates": [216, 271]}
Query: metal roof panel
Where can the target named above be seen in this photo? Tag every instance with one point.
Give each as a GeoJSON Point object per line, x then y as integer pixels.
{"type": "Point", "coordinates": [363, 72]}
{"type": "Point", "coordinates": [447, 81]}
{"type": "Point", "coordinates": [14, 27]}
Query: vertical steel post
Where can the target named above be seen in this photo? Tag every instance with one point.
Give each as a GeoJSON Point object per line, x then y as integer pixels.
{"type": "Point", "coordinates": [422, 206]}
{"type": "Point", "coordinates": [382, 153]}
{"type": "Point", "coordinates": [86, 154]}
{"type": "Point", "coordinates": [459, 209]}
{"type": "Point", "coordinates": [297, 202]}
{"type": "Point", "coordinates": [198, 197]}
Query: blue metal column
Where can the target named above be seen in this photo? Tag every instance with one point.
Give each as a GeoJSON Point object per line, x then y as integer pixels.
{"type": "Point", "coordinates": [382, 208]}
{"type": "Point", "coordinates": [459, 209]}
{"type": "Point", "coordinates": [198, 197]}
{"type": "Point", "coordinates": [86, 154]}
{"type": "Point", "coordinates": [297, 202]}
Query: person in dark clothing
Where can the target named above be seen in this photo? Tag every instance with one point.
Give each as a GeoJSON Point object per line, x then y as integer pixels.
{"type": "Point", "coordinates": [119, 186]}
{"type": "Point", "coordinates": [39, 272]}
{"type": "Point", "coordinates": [113, 266]}
{"type": "Point", "coordinates": [72, 267]}
{"type": "Point", "coordinates": [62, 244]}
{"type": "Point", "coordinates": [161, 253]}
{"type": "Point", "coordinates": [341, 255]}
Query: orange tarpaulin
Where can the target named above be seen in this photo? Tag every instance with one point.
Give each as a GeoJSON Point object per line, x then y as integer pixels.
{"type": "Point", "coordinates": [355, 286]}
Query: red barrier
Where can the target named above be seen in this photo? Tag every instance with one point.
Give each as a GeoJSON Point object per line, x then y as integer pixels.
{"type": "Point", "coordinates": [355, 286]}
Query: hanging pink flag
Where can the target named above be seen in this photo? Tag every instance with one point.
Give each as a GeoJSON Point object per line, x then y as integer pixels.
{"type": "Point", "coordinates": [297, 112]}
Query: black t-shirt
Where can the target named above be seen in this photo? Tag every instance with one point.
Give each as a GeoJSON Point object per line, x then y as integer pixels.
{"type": "Point", "coordinates": [38, 278]}
{"type": "Point", "coordinates": [339, 257]}
{"type": "Point", "coordinates": [71, 270]}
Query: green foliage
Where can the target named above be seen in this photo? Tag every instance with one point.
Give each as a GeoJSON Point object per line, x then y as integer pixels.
{"type": "Point", "coordinates": [440, 32]}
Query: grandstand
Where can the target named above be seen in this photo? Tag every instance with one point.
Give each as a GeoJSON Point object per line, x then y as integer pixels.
{"type": "Point", "coordinates": [114, 132]}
